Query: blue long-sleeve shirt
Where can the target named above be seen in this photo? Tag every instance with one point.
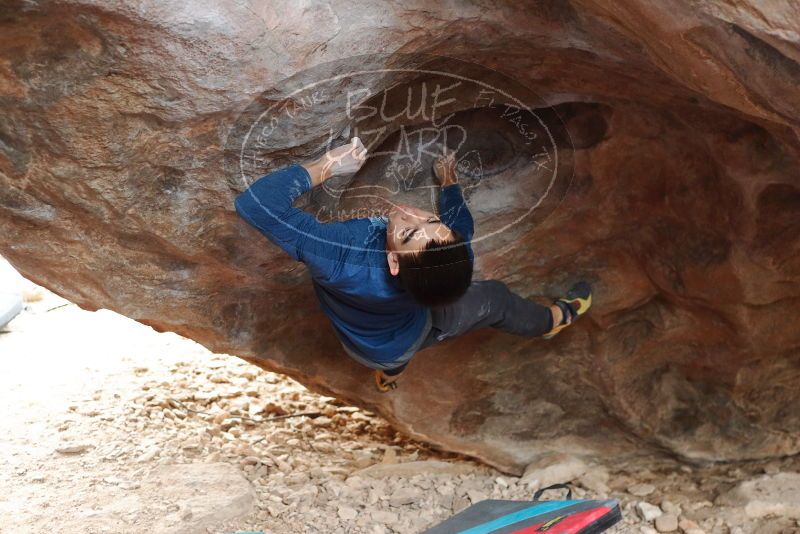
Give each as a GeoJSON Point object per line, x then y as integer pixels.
{"type": "Point", "coordinates": [374, 317]}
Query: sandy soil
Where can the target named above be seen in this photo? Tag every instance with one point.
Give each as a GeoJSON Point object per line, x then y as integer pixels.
{"type": "Point", "coordinates": [109, 426]}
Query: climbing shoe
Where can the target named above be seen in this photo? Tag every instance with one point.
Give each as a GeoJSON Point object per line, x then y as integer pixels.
{"type": "Point", "coordinates": [573, 305]}
{"type": "Point", "coordinates": [384, 382]}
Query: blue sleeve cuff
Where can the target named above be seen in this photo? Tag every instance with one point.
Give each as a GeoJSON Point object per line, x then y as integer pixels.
{"type": "Point", "coordinates": [452, 187]}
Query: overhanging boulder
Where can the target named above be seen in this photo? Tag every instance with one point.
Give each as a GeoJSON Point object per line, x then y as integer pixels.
{"type": "Point", "coordinates": [677, 195]}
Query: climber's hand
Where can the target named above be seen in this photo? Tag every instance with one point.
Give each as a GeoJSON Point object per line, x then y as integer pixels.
{"type": "Point", "coordinates": [344, 160]}
{"type": "Point", "coordinates": [445, 169]}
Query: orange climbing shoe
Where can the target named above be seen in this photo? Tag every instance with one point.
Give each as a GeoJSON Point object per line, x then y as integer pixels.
{"type": "Point", "coordinates": [577, 302]}
{"type": "Point", "coordinates": [385, 383]}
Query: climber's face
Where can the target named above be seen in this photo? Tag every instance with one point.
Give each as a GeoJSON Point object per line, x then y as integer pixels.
{"type": "Point", "coordinates": [409, 229]}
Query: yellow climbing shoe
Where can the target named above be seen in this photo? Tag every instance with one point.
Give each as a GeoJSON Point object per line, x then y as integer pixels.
{"type": "Point", "coordinates": [577, 302]}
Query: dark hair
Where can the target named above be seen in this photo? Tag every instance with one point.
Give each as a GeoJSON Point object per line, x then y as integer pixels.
{"type": "Point", "coordinates": [438, 274]}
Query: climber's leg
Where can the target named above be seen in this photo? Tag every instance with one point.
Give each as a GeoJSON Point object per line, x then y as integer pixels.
{"type": "Point", "coordinates": [486, 303]}
{"type": "Point", "coordinates": [492, 303]}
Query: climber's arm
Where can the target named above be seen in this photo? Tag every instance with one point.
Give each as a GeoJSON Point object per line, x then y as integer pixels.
{"type": "Point", "coordinates": [453, 212]}
{"type": "Point", "coordinates": [317, 171]}
{"type": "Point", "coordinates": [267, 206]}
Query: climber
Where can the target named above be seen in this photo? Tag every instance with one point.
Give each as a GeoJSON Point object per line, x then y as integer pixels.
{"type": "Point", "coordinates": [395, 284]}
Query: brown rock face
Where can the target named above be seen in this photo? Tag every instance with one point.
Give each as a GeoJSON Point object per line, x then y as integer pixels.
{"type": "Point", "coordinates": [662, 160]}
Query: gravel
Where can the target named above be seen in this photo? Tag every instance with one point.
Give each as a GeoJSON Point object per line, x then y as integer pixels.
{"type": "Point", "coordinates": [113, 427]}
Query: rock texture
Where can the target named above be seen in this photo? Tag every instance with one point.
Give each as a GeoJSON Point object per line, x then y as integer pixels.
{"type": "Point", "coordinates": [116, 191]}
{"type": "Point", "coordinates": [768, 494]}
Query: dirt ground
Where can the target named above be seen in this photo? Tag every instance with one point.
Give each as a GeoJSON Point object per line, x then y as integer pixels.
{"type": "Point", "coordinates": [108, 426]}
